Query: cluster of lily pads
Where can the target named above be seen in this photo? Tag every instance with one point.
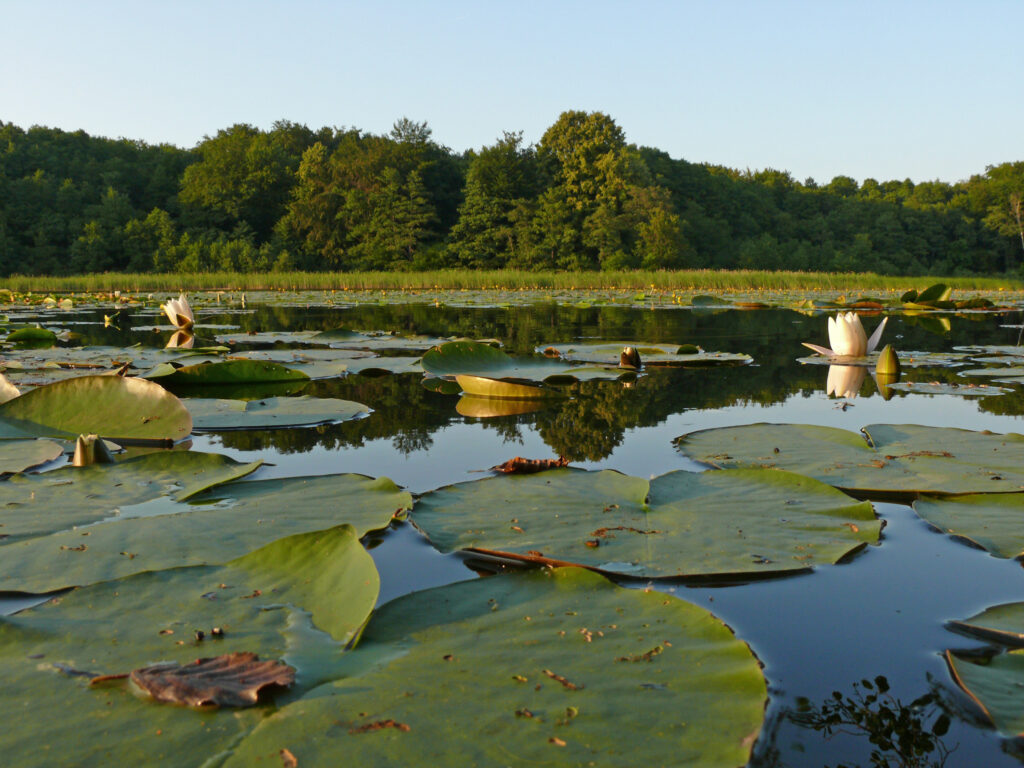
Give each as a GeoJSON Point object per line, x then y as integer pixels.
{"type": "Point", "coordinates": [159, 546]}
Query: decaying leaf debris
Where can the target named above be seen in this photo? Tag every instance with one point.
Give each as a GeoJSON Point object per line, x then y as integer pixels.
{"type": "Point", "coordinates": [519, 465]}
{"type": "Point", "coordinates": [230, 680]}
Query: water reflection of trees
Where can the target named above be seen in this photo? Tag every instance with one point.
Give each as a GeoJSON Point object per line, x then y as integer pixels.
{"type": "Point", "coordinates": [593, 419]}
{"type": "Point", "coordinates": [901, 735]}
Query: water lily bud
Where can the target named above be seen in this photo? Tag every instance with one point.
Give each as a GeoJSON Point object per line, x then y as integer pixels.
{"type": "Point", "coordinates": [90, 449]}
{"type": "Point", "coordinates": [884, 381]}
{"type": "Point", "coordinates": [629, 358]}
{"type": "Point", "coordinates": [888, 362]}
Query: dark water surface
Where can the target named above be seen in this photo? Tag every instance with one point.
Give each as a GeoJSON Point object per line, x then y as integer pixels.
{"type": "Point", "coordinates": [881, 614]}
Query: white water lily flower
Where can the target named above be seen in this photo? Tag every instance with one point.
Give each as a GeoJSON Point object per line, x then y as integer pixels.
{"type": "Point", "coordinates": [847, 337]}
{"type": "Point", "coordinates": [179, 312]}
{"type": "Point", "coordinates": [845, 380]}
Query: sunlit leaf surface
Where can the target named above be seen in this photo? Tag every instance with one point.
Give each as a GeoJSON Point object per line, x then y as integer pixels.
{"type": "Point", "coordinates": [214, 527]}
{"type": "Point", "coordinates": [692, 524]}
{"type": "Point", "coordinates": [109, 406]}
{"type": "Point", "coordinates": [902, 459]}
{"type": "Point", "coordinates": [299, 599]}
{"type": "Point", "coordinates": [569, 663]}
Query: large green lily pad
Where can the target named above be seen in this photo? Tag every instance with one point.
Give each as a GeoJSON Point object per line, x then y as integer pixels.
{"type": "Point", "coordinates": [271, 412]}
{"type": "Point", "coordinates": [993, 521]}
{"type": "Point", "coordinates": [22, 455]}
{"type": "Point", "coordinates": [894, 459]}
{"type": "Point", "coordinates": [112, 407]}
{"type": "Point", "coordinates": [692, 524]}
{"type": "Point", "coordinates": [996, 685]}
{"type": "Point", "coordinates": [609, 352]}
{"type": "Point", "coordinates": [226, 372]}
{"type": "Point", "coordinates": [300, 599]}
{"type": "Point", "coordinates": [34, 505]}
{"type": "Point", "coordinates": [476, 359]}
{"type": "Point", "coordinates": [216, 526]}
{"type": "Point", "coordinates": [527, 669]}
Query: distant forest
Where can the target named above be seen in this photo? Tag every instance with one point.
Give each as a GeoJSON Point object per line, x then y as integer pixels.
{"type": "Point", "coordinates": [293, 198]}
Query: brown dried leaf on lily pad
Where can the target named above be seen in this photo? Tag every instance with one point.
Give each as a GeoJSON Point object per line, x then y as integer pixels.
{"type": "Point", "coordinates": [520, 466]}
{"type": "Point", "coordinates": [230, 680]}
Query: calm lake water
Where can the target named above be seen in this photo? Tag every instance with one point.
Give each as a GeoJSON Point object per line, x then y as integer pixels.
{"type": "Point", "coordinates": [880, 614]}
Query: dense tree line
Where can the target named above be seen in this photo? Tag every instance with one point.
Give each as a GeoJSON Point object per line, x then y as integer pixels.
{"type": "Point", "coordinates": [582, 198]}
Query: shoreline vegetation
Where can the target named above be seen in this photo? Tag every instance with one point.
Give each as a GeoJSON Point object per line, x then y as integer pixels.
{"type": "Point", "coordinates": [695, 281]}
{"type": "Point", "coordinates": [582, 199]}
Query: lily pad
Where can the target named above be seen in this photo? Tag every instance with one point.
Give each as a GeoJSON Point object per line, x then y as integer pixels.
{"type": "Point", "coordinates": [996, 685]}
{"type": "Point", "coordinates": [476, 359]}
{"type": "Point", "coordinates": [1000, 623]}
{"type": "Point", "coordinates": [562, 655]}
{"type": "Point", "coordinates": [899, 460]}
{"type": "Point", "coordinates": [907, 359]}
{"type": "Point", "coordinates": [948, 388]}
{"type": "Point", "coordinates": [214, 527]}
{"type": "Point", "coordinates": [695, 524]}
{"type": "Point", "coordinates": [300, 599]}
{"type": "Point", "coordinates": [992, 521]}
{"type": "Point", "coordinates": [210, 415]}
{"type": "Point", "coordinates": [227, 372]}
{"type": "Point", "coordinates": [115, 408]}
{"type": "Point", "coordinates": [37, 504]}
{"type": "Point", "coordinates": [23, 455]}
{"type": "Point", "coordinates": [607, 353]}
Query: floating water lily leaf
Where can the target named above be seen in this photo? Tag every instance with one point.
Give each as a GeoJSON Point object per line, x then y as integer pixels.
{"type": "Point", "coordinates": [900, 459]}
{"type": "Point", "coordinates": [227, 372]}
{"type": "Point", "coordinates": [562, 656]}
{"type": "Point", "coordinates": [949, 388]}
{"type": "Point", "coordinates": [993, 521]}
{"type": "Point", "coordinates": [22, 455]}
{"type": "Point", "coordinates": [32, 505]}
{"type": "Point", "coordinates": [996, 685]}
{"type": "Point", "coordinates": [476, 359]}
{"type": "Point", "coordinates": [271, 412]}
{"type": "Point", "coordinates": [1001, 623]}
{"type": "Point", "coordinates": [33, 335]}
{"type": "Point", "coordinates": [607, 353]}
{"type": "Point", "coordinates": [214, 527]}
{"type": "Point", "coordinates": [112, 407]}
{"type": "Point", "coordinates": [228, 680]}
{"type": "Point", "coordinates": [907, 359]}
{"type": "Point", "coordinates": [1002, 372]}
{"type": "Point", "coordinates": [695, 524]}
{"type": "Point", "coordinates": [301, 599]}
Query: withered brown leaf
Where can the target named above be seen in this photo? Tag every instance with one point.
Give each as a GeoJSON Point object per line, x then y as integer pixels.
{"type": "Point", "coordinates": [230, 680]}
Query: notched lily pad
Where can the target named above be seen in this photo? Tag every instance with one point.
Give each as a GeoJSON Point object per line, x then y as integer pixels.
{"type": "Point", "coordinates": [608, 353]}
{"type": "Point", "coordinates": [992, 521]}
{"type": "Point", "coordinates": [229, 680]}
{"type": "Point", "coordinates": [214, 526]}
{"type": "Point", "coordinates": [115, 408]}
{"type": "Point", "coordinates": [897, 460]}
{"type": "Point", "coordinates": [569, 662]}
{"type": "Point", "coordinates": [1001, 623]}
{"type": "Point", "coordinates": [996, 685]}
{"type": "Point", "coordinates": [227, 372]}
{"type": "Point", "coordinates": [23, 455]}
{"type": "Point", "coordinates": [696, 525]}
{"type": "Point", "coordinates": [477, 359]}
{"type": "Point", "coordinates": [209, 415]}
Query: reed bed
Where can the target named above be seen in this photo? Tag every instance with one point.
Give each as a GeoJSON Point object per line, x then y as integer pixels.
{"type": "Point", "coordinates": [683, 280]}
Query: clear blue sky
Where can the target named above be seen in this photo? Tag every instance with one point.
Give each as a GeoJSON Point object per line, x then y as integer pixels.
{"type": "Point", "coordinates": [889, 90]}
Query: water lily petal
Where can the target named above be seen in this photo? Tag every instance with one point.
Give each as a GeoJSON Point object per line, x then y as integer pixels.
{"type": "Point", "coordinates": [876, 336]}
